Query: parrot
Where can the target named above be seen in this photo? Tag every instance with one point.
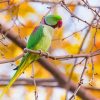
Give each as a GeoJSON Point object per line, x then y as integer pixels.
{"type": "Point", "coordinates": [40, 39]}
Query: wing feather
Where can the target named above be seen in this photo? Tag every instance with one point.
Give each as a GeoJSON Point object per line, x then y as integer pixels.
{"type": "Point", "coordinates": [35, 37]}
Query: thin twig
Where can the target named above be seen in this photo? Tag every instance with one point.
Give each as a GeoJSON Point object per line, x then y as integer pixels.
{"type": "Point", "coordinates": [33, 76]}
{"type": "Point", "coordinates": [81, 81]}
{"type": "Point", "coordinates": [11, 60]}
{"type": "Point", "coordinates": [62, 57]}
{"type": "Point", "coordinates": [66, 57]}
{"type": "Point", "coordinates": [91, 8]}
{"type": "Point", "coordinates": [73, 15]}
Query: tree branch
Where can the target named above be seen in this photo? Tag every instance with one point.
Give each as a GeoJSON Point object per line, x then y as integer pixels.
{"type": "Point", "coordinates": [67, 4]}
{"type": "Point", "coordinates": [66, 57]}
{"type": "Point", "coordinates": [24, 81]}
{"type": "Point", "coordinates": [75, 16]}
{"type": "Point", "coordinates": [11, 60]}
{"type": "Point", "coordinates": [59, 76]}
{"type": "Point", "coordinates": [38, 52]}
{"type": "Point", "coordinates": [39, 82]}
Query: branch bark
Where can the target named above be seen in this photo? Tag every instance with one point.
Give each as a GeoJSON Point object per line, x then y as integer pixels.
{"type": "Point", "coordinates": [44, 54]}
{"type": "Point", "coordinates": [39, 82]}
{"type": "Point", "coordinates": [79, 3]}
{"type": "Point", "coordinates": [24, 81]}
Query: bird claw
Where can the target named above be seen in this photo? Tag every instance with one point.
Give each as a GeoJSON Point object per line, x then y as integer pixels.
{"type": "Point", "coordinates": [40, 52]}
{"type": "Point", "coordinates": [47, 54]}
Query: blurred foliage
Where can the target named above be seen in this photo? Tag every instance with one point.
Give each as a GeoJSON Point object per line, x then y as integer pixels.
{"type": "Point", "coordinates": [17, 10]}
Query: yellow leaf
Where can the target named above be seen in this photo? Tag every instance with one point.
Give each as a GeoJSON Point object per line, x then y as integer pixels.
{"type": "Point", "coordinates": [58, 33]}
{"type": "Point", "coordinates": [72, 8]}
{"type": "Point", "coordinates": [63, 97]}
{"type": "Point", "coordinates": [24, 31]}
{"type": "Point", "coordinates": [28, 71]}
{"type": "Point", "coordinates": [49, 93]}
{"type": "Point", "coordinates": [96, 94]}
{"type": "Point", "coordinates": [25, 9]}
{"type": "Point", "coordinates": [29, 96]}
{"type": "Point", "coordinates": [39, 71]}
{"type": "Point", "coordinates": [3, 5]}
{"type": "Point", "coordinates": [19, 11]}
{"type": "Point", "coordinates": [27, 29]}
{"type": "Point", "coordinates": [11, 13]}
{"type": "Point", "coordinates": [8, 50]}
{"type": "Point", "coordinates": [94, 34]}
{"type": "Point", "coordinates": [30, 88]}
{"type": "Point", "coordinates": [96, 72]}
{"type": "Point", "coordinates": [68, 68]}
{"type": "Point", "coordinates": [57, 38]}
{"type": "Point", "coordinates": [71, 48]}
{"type": "Point", "coordinates": [11, 2]}
{"type": "Point", "coordinates": [78, 36]}
{"type": "Point", "coordinates": [77, 98]}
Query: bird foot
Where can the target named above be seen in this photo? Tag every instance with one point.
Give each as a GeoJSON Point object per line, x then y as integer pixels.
{"type": "Point", "coordinates": [40, 52]}
{"type": "Point", "coordinates": [47, 55]}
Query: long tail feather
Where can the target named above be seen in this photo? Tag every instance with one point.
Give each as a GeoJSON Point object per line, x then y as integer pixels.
{"type": "Point", "coordinates": [20, 70]}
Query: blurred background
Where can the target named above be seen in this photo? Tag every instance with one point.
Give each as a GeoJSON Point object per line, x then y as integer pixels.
{"type": "Point", "coordinates": [80, 33]}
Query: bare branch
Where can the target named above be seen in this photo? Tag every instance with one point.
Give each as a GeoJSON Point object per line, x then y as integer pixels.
{"type": "Point", "coordinates": [11, 60]}
{"type": "Point", "coordinates": [91, 8]}
{"type": "Point", "coordinates": [67, 4]}
{"type": "Point", "coordinates": [75, 16]}
{"type": "Point", "coordinates": [66, 57]}
{"type": "Point", "coordinates": [24, 81]}
{"type": "Point", "coordinates": [81, 81]}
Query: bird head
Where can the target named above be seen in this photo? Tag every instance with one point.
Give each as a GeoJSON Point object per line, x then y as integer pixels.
{"type": "Point", "coordinates": [53, 21]}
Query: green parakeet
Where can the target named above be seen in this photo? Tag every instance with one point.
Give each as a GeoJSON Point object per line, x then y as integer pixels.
{"type": "Point", "coordinates": [40, 39]}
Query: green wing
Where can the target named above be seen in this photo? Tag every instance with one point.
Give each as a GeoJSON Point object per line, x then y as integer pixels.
{"type": "Point", "coordinates": [35, 37]}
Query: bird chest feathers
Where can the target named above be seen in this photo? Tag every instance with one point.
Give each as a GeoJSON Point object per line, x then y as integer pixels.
{"type": "Point", "coordinates": [48, 31]}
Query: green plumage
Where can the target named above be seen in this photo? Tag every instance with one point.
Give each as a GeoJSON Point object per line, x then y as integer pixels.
{"type": "Point", "coordinates": [35, 37]}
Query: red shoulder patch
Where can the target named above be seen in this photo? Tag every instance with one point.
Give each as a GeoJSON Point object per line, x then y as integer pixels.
{"type": "Point", "coordinates": [35, 29]}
